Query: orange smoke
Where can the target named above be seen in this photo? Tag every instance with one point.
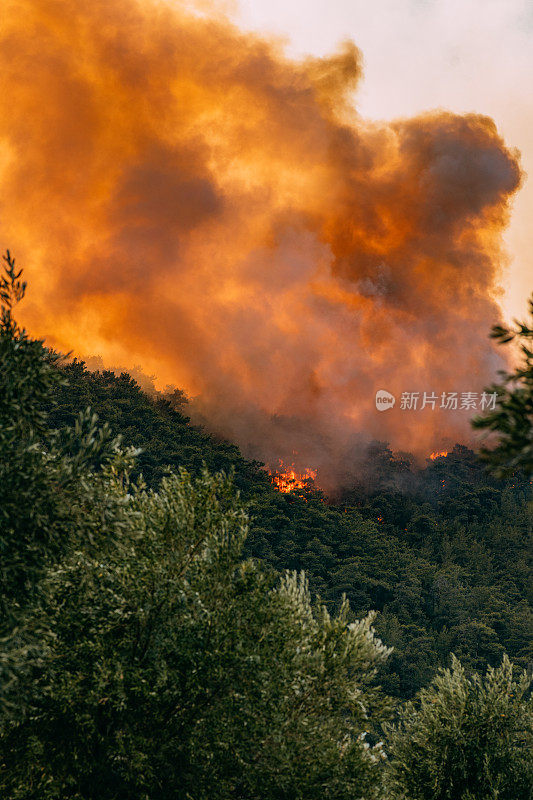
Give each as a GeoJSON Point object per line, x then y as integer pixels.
{"type": "Point", "coordinates": [186, 198]}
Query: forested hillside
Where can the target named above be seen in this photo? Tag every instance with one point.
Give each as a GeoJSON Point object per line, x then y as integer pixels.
{"type": "Point", "coordinates": [443, 553]}
{"type": "Point", "coordinates": [144, 654]}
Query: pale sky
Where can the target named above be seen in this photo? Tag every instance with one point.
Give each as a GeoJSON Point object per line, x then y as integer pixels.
{"type": "Point", "coordinates": [475, 55]}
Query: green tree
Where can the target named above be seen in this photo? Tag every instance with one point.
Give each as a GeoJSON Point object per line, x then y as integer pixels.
{"type": "Point", "coordinates": [512, 419]}
{"type": "Point", "coordinates": [46, 501]}
{"type": "Point", "coordinates": [147, 658]}
{"type": "Point", "coordinates": [179, 669]}
{"type": "Point", "coordinates": [467, 738]}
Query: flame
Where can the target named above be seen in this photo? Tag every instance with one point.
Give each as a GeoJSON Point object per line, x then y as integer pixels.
{"type": "Point", "coordinates": [288, 479]}
{"type": "Point", "coordinates": [439, 454]}
{"type": "Point", "coordinates": [185, 197]}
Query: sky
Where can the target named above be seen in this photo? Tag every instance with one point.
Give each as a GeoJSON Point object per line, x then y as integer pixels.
{"type": "Point", "coordinates": [469, 55]}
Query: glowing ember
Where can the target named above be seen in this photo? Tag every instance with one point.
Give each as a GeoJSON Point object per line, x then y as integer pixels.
{"type": "Point", "coordinates": [287, 479]}
{"type": "Point", "coordinates": [439, 454]}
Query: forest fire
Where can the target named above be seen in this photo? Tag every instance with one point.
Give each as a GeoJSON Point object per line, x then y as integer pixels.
{"type": "Point", "coordinates": [190, 199]}
{"type": "Point", "coordinates": [288, 479]}
{"type": "Point", "coordinates": [438, 454]}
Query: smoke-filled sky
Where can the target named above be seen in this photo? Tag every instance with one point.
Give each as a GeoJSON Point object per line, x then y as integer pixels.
{"type": "Point", "coordinates": [187, 196]}
{"type": "Point", "coordinates": [463, 55]}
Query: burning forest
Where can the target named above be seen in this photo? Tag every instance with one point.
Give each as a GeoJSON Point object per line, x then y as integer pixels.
{"type": "Point", "coordinates": [188, 198]}
{"type": "Point", "coordinates": [250, 544]}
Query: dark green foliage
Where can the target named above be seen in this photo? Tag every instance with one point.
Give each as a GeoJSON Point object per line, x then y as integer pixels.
{"type": "Point", "coordinates": [157, 426]}
{"type": "Point", "coordinates": [144, 655]}
{"type": "Point", "coordinates": [466, 739]}
{"type": "Point", "coordinates": [179, 670]}
{"type": "Point", "coordinates": [141, 655]}
{"type": "Point", "coordinates": [46, 503]}
{"type": "Point", "coordinates": [512, 419]}
{"type": "Point", "coordinates": [445, 554]}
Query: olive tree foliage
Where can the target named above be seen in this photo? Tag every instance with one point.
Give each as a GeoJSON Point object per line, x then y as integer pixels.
{"type": "Point", "coordinates": [147, 658]}
{"type": "Point", "coordinates": [52, 486]}
{"type": "Point", "coordinates": [467, 738]}
{"type": "Point", "coordinates": [512, 419]}
{"type": "Point", "coordinates": [178, 669]}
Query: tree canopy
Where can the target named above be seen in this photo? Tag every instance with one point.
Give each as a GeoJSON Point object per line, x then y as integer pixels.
{"type": "Point", "coordinates": [173, 626]}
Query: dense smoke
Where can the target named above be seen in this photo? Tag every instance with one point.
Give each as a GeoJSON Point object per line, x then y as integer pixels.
{"type": "Point", "coordinates": [186, 198]}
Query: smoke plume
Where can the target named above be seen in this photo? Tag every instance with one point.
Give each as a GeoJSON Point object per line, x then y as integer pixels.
{"type": "Point", "coordinates": [185, 197]}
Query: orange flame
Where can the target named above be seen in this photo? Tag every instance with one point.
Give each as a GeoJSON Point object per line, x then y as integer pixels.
{"type": "Point", "coordinates": [438, 454]}
{"type": "Point", "coordinates": [289, 479]}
